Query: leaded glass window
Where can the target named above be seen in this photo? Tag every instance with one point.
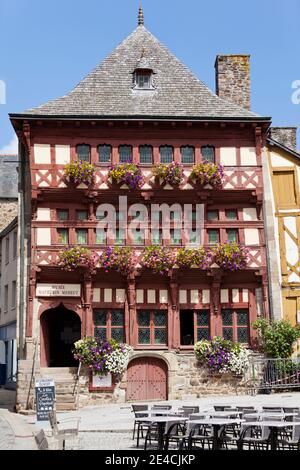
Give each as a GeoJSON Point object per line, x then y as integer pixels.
{"type": "Point", "coordinates": [83, 152]}
{"type": "Point", "coordinates": [152, 327]}
{"type": "Point", "coordinates": [166, 154]}
{"type": "Point", "coordinates": [104, 153]}
{"type": "Point", "coordinates": [208, 154]}
{"type": "Point", "coordinates": [202, 324]}
{"type": "Point", "coordinates": [175, 237]}
{"type": "Point", "coordinates": [62, 236]}
{"type": "Point", "coordinates": [109, 324]}
{"type": "Point", "coordinates": [81, 215]}
{"type": "Point", "coordinates": [81, 236]}
{"type": "Point", "coordinates": [231, 214]}
{"type": "Point", "coordinates": [62, 214]}
{"type": "Point", "coordinates": [187, 155]}
{"type": "Point", "coordinates": [146, 154]}
{"type": "Point", "coordinates": [213, 237]}
{"type": "Point", "coordinates": [236, 325]}
{"type": "Point", "coordinates": [101, 236]}
{"type": "Point", "coordinates": [232, 235]}
{"type": "Point", "coordinates": [125, 153]}
{"type": "Point", "coordinates": [212, 215]}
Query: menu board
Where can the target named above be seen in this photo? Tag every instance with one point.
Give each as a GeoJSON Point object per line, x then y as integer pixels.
{"type": "Point", "coordinates": [45, 398]}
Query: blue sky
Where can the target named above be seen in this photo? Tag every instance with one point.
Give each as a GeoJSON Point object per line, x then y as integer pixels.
{"type": "Point", "coordinates": [47, 47]}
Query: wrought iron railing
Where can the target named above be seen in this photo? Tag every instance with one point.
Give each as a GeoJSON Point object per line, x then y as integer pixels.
{"type": "Point", "coordinates": [272, 374]}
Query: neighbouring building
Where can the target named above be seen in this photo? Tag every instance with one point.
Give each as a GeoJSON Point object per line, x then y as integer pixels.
{"type": "Point", "coordinates": [8, 304]}
{"type": "Point", "coordinates": [8, 189]}
{"type": "Point", "coordinates": [282, 204]}
{"type": "Point", "coordinates": [140, 104]}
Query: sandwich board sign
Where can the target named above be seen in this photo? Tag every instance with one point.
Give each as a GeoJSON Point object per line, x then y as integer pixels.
{"type": "Point", "coordinates": [45, 398]}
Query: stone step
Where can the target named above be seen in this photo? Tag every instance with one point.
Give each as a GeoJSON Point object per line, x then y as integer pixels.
{"type": "Point", "coordinates": [59, 370]}
{"type": "Point", "coordinates": [65, 406]}
{"type": "Point", "coordinates": [66, 398]}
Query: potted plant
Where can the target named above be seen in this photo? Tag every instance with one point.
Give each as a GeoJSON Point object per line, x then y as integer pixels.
{"type": "Point", "coordinates": [171, 173]}
{"type": "Point", "coordinates": [72, 258]}
{"type": "Point", "coordinates": [231, 256]}
{"type": "Point", "coordinates": [208, 173]}
{"type": "Point", "coordinates": [160, 259]}
{"type": "Point", "coordinates": [80, 172]}
{"type": "Point", "coordinates": [194, 258]}
{"type": "Point", "coordinates": [219, 356]}
{"type": "Point", "coordinates": [126, 173]}
{"type": "Point", "coordinates": [119, 259]}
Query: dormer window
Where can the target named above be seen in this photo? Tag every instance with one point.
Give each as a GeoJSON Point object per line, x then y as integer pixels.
{"type": "Point", "coordinates": [143, 79]}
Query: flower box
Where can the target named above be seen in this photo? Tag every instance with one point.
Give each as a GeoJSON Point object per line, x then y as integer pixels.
{"type": "Point", "coordinates": [72, 258]}
{"type": "Point", "coordinates": [208, 174]}
{"type": "Point", "coordinates": [171, 173]}
{"type": "Point", "coordinates": [101, 383]}
{"type": "Point", "coordinates": [126, 175]}
{"type": "Point", "coordinates": [80, 174]}
{"type": "Point", "coordinates": [231, 256]}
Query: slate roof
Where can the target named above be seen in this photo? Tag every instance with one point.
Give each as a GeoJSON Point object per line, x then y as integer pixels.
{"type": "Point", "coordinates": [108, 90]}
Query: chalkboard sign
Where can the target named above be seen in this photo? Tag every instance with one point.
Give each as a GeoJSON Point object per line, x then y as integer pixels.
{"type": "Point", "coordinates": [45, 397]}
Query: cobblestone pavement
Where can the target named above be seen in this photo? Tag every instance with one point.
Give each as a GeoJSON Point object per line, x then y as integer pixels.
{"type": "Point", "coordinates": [6, 435]}
{"type": "Point", "coordinates": [106, 441]}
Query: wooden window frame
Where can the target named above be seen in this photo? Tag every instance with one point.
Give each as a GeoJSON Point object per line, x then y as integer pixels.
{"type": "Point", "coordinates": [195, 323]}
{"type": "Point", "coordinates": [77, 155]}
{"type": "Point", "coordinates": [57, 236]}
{"type": "Point", "coordinates": [160, 155]}
{"type": "Point", "coordinates": [119, 151]}
{"type": "Point", "coordinates": [235, 325]}
{"type": "Point", "coordinates": [181, 154]}
{"type": "Point", "coordinates": [98, 153]}
{"type": "Point", "coordinates": [143, 163]}
{"type": "Point", "coordinates": [109, 327]}
{"type": "Point", "coordinates": [208, 146]}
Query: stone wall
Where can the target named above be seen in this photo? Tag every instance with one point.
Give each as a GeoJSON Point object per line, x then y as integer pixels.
{"type": "Point", "coordinates": [8, 211]}
{"type": "Point", "coordinates": [233, 79]}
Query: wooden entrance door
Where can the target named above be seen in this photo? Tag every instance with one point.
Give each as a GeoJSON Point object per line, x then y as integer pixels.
{"type": "Point", "coordinates": [147, 379]}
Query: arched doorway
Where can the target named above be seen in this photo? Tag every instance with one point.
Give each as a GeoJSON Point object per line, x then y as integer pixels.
{"type": "Point", "coordinates": [61, 328]}
{"type": "Point", "coordinates": [147, 379]}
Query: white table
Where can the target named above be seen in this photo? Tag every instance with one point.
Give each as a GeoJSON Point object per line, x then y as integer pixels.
{"type": "Point", "coordinates": [161, 422]}
{"type": "Point", "coordinates": [216, 424]}
{"type": "Point", "coordinates": [273, 426]}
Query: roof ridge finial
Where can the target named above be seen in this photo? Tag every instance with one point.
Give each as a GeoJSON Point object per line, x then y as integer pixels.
{"type": "Point", "coordinates": [141, 15]}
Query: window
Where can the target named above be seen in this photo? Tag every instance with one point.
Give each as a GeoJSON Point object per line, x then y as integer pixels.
{"type": "Point", "coordinates": [7, 250]}
{"type": "Point", "coordinates": [13, 294]}
{"type": "Point", "coordinates": [101, 236]}
{"type": "Point", "coordinates": [232, 235]}
{"type": "Point", "coordinates": [104, 153]}
{"type": "Point", "coordinates": [138, 237]}
{"type": "Point", "coordinates": [152, 327]}
{"type": "Point", "coordinates": [213, 237]}
{"type": "Point", "coordinates": [6, 298]}
{"type": "Point", "coordinates": [146, 154]}
{"type": "Point", "coordinates": [100, 215]}
{"type": "Point", "coordinates": [109, 324]}
{"type": "Point", "coordinates": [62, 214]}
{"type": "Point", "coordinates": [208, 154]}
{"type": "Point", "coordinates": [212, 215]}
{"type": "Point", "coordinates": [284, 186]}
{"type": "Point", "coordinates": [231, 214]}
{"type": "Point", "coordinates": [62, 236]}
{"type": "Point", "coordinates": [143, 80]}
{"type": "Point", "coordinates": [187, 155]}
{"type": "Point", "coordinates": [83, 152]}
{"type": "Point", "coordinates": [156, 235]}
{"type": "Point", "coordinates": [202, 324]}
{"type": "Point", "coordinates": [194, 237]}
{"type": "Point", "coordinates": [15, 244]}
{"type": "Point", "coordinates": [236, 325]}
{"type": "Point", "coordinates": [125, 153]}
{"type": "Point", "coordinates": [175, 237]}
{"type": "Point", "coordinates": [81, 236]}
{"type": "Point", "coordinates": [120, 237]}
{"type": "Point", "coordinates": [194, 326]}
{"type": "Point", "coordinates": [175, 215]}
{"type": "Point", "coordinates": [166, 154]}
{"type": "Point", "coordinates": [82, 215]}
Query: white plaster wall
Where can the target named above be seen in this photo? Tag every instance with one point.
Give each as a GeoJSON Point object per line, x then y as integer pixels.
{"type": "Point", "coordinates": [224, 296]}
{"type": "Point", "coordinates": [205, 296]}
{"type": "Point", "coordinates": [151, 296]}
{"type": "Point", "coordinates": [182, 296]}
{"type": "Point", "coordinates": [42, 154]}
{"type": "Point", "coordinates": [43, 236]}
{"type": "Point", "coordinates": [163, 296]}
{"type": "Point", "coordinates": [251, 236]}
{"type": "Point", "coordinates": [107, 295]}
{"type": "Point", "coordinates": [292, 255]}
{"type": "Point", "coordinates": [248, 156]}
{"type": "Point", "coordinates": [194, 296]}
{"type": "Point", "coordinates": [249, 213]}
{"type": "Point", "coordinates": [43, 214]}
{"type": "Point", "coordinates": [62, 154]}
{"type": "Point", "coordinates": [228, 156]}
{"type": "Point", "coordinates": [277, 160]}
{"type": "Point", "coordinates": [235, 296]}
{"type": "Point", "coordinates": [140, 296]}
{"type": "Point", "coordinates": [96, 294]}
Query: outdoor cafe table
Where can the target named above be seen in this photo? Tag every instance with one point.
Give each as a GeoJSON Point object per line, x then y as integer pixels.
{"type": "Point", "coordinates": [158, 413]}
{"type": "Point", "coordinates": [217, 414]}
{"type": "Point", "coordinates": [216, 424]}
{"type": "Point", "coordinates": [161, 422]}
{"type": "Point", "coordinates": [269, 414]}
{"type": "Point", "coordinates": [273, 426]}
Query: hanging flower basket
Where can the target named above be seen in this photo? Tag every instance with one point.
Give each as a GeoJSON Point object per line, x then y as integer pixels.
{"type": "Point", "coordinates": [160, 259]}
{"type": "Point", "coordinates": [171, 173]}
{"type": "Point", "coordinates": [119, 259]}
{"type": "Point", "coordinates": [126, 173]}
{"type": "Point", "coordinates": [194, 258]}
{"type": "Point", "coordinates": [80, 172]}
{"type": "Point", "coordinates": [208, 173]}
{"type": "Point", "coordinates": [231, 256]}
{"type": "Point", "coordinates": [221, 356]}
{"type": "Point", "coordinates": [102, 357]}
{"type": "Point", "coordinates": [76, 257]}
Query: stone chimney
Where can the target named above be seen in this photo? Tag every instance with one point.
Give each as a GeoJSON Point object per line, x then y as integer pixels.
{"type": "Point", "coordinates": [233, 79]}
{"type": "Point", "coordinates": [286, 136]}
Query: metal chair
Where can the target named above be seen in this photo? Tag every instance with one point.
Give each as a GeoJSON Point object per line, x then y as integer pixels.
{"type": "Point", "coordinates": [64, 433]}
{"type": "Point", "coordinates": [219, 408]}
{"type": "Point", "coordinates": [41, 440]}
{"type": "Point", "coordinates": [175, 434]}
{"type": "Point", "coordinates": [200, 434]}
{"type": "Point", "coordinates": [272, 409]}
{"type": "Point", "coordinates": [257, 437]}
{"type": "Point", "coordinates": [138, 424]}
{"type": "Point", "coordinates": [186, 411]}
{"type": "Point", "coordinates": [291, 442]}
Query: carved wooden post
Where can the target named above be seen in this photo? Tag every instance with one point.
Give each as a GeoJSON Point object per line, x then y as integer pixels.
{"type": "Point", "coordinates": [215, 305]}
{"type": "Point", "coordinates": [173, 316]}
{"type": "Point", "coordinates": [87, 327]}
{"type": "Point", "coordinates": [132, 323]}
{"type": "Point", "coordinates": [31, 296]}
